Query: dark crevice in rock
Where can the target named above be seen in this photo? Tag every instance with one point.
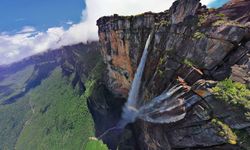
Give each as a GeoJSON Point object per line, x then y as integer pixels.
{"type": "Point", "coordinates": [223, 70]}
{"type": "Point", "coordinates": [106, 112]}
{"type": "Point", "coordinates": [77, 82]}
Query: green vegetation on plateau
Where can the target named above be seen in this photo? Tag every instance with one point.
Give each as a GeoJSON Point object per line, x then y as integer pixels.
{"type": "Point", "coordinates": [234, 93]}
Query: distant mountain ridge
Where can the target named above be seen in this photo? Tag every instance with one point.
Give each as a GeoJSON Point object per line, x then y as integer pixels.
{"type": "Point", "coordinates": [48, 88]}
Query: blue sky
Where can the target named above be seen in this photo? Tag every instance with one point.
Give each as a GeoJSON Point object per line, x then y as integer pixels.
{"type": "Point", "coordinates": [29, 27]}
{"type": "Point", "coordinates": [217, 3]}
{"type": "Point", "coordinates": [41, 14]}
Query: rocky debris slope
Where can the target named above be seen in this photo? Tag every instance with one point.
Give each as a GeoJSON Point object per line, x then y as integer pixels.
{"type": "Point", "coordinates": [195, 43]}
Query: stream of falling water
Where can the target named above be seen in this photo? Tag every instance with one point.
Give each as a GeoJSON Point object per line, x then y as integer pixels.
{"type": "Point", "coordinates": [166, 108]}
{"type": "Point", "coordinates": [130, 110]}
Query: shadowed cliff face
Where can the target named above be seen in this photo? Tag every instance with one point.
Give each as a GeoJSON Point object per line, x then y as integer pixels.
{"type": "Point", "coordinates": [192, 42]}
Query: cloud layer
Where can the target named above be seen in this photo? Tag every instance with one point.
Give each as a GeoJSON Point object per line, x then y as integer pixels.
{"type": "Point", "coordinates": [29, 41]}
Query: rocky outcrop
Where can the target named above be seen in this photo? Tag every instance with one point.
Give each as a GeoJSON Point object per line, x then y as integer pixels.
{"type": "Point", "coordinates": [192, 42]}
{"type": "Point", "coordinates": [78, 61]}
{"type": "Point", "coordinates": [178, 13]}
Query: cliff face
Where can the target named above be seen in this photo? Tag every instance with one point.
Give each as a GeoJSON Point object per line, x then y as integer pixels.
{"type": "Point", "coordinates": [120, 39]}
{"type": "Point", "coordinates": [192, 42]}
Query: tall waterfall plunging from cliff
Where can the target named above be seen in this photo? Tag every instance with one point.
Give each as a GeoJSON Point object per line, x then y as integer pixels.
{"type": "Point", "coordinates": [134, 91]}
{"type": "Point", "coordinates": [130, 111]}
{"type": "Point", "coordinates": [168, 107]}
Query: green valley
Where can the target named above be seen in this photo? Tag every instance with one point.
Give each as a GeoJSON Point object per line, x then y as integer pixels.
{"type": "Point", "coordinates": [50, 112]}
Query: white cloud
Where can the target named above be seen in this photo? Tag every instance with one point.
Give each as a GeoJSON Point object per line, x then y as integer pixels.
{"type": "Point", "coordinates": [27, 29]}
{"type": "Point", "coordinates": [206, 2]}
{"type": "Point", "coordinates": [29, 41]}
{"type": "Point", "coordinates": [69, 22]}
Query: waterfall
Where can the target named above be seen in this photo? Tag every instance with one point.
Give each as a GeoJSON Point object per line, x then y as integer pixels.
{"type": "Point", "coordinates": [159, 99]}
{"type": "Point", "coordinates": [134, 91]}
{"type": "Point", "coordinates": [130, 111]}
{"type": "Point", "coordinates": [168, 107]}
{"type": "Point", "coordinates": [165, 108]}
